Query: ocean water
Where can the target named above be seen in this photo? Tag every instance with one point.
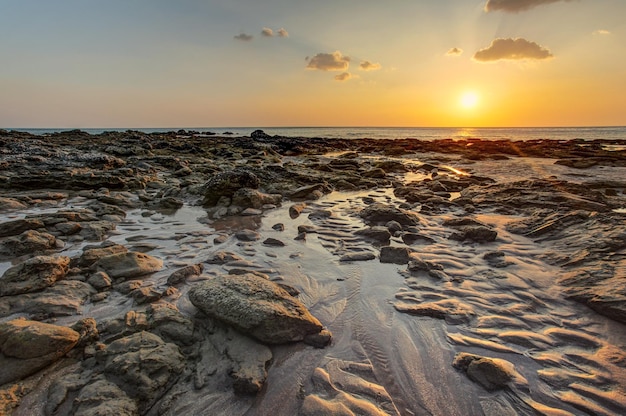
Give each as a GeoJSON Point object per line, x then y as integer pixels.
{"type": "Point", "coordinates": [423, 133]}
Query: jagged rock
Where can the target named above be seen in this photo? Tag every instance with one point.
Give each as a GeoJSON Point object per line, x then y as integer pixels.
{"type": "Point", "coordinates": [225, 184]}
{"type": "Point", "coordinates": [128, 265]}
{"type": "Point", "coordinates": [256, 307]}
{"type": "Point", "coordinates": [29, 346]}
{"type": "Point", "coordinates": [17, 227]}
{"type": "Point", "coordinates": [491, 373]}
{"type": "Point", "coordinates": [93, 254]}
{"type": "Point", "coordinates": [100, 281]}
{"type": "Point", "coordinates": [380, 214]}
{"type": "Point", "coordinates": [142, 365]}
{"type": "Point", "coordinates": [183, 274]}
{"type": "Point", "coordinates": [29, 242]}
{"type": "Point", "coordinates": [34, 274]}
{"type": "Point", "coordinates": [170, 324]}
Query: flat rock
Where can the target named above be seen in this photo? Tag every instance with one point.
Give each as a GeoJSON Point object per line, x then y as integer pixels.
{"type": "Point", "coordinates": [479, 234]}
{"type": "Point", "coordinates": [128, 265]}
{"type": "Point", "coordinates": [491, 373]}
{"type": "Point", "coordinates": [395, 255]}
{"type": "Point", "coordinates": [28, 242]}
{"type": "Point", "coordinates": [34, 274]}
{"type": "Point", "coordinates": [28, 346]}
{"type": "Point", "coordinates": [17, 227]}
{"type": "Point", "coordinates": [256, 307]}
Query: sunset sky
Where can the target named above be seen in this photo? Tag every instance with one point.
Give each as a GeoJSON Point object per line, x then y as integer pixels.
{"type": "Point", "coordinates": [205, 63]}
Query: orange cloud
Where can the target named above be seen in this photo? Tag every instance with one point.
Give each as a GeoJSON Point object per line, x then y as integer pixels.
{"type": "Point", "coordinates": [344, 76]}
{"type": "Point", "coordinates": [368, 66]}
{"type": "Point", "coordinates": [282, 33]}
{"type": "Point", "coordinates": [267, 32]}
{"type": "Point", "coordinates": [329, 62]}
{"type": "Point", "coordinates": [514, 6]}
{"type": "Point", "coordinates": [454, 52]}
{"type": "Point", "coordinates": [512, 49]}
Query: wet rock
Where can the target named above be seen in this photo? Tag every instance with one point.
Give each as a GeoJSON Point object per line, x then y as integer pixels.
{"type": "Point", "coordinates": [223, 257]}
{"type": "Point", "coordinates": [34, 274]}
{"type": "Point", "coordinates": [278, 227]}
{"type": "Point", "coordinates": [395, 255]}
{"type": "Point", "coordinates": [11, 204]}
{"type": "Point", "coordinates": [225, 184]}
{"type": "Point", "coordinates": [256, 307]}
{"type": "Point", "coordinates": [377, 233]}
{"type": "Point", "coordinates": [320, 340]}
{"type": "Point", "coordinates": [17, 227]}
{"type": "Point", "coordinates": [295, 210]}
{"type": "Point", "coordinates": [181, 275]}
{"type": "Point", "coordinates": [103, 397]}
{"type": "Point", "coordinates": [453, 311]}
{"type": "Point", "coordinates": [497, 259]}
{"type": "Point", "coordinates": [252, 198]}
{"type": "Point", "coordinates": [128, 265]}
{"type": "Point", "coordinates": [165, 320]}
{"type": "Point", "coordinates": [92, 254]}
{"type": "Point", "coordinates": [250, 360]}
{"type": "Point", "coordinates": [142, 365]}
{"type": "Point", "coordinates": [478, 234]}
{"type": "Point", "coordinates": [310, 192]}
{"type": "Point", "coordinates": [259, 134]}
{"type": "Point", "coordinates": [65, 298]}
{"type": "Point", "coordinates": [380, 214]}
{"type": "Point", "coordinates": [100, 281]}
{"type": "Point", "coordinates": [416, 238]}
{"type": "Point", "coordinates": [358, 256]}
{"type": "Point", "coordinates": [247, 235]}
{"type": "Point", "coordinates": [393, 226]}
{"type": "Point", "coordinates": [491, 373]}
{"type": "Point", "coordinates": [29, 346]}
{"type": "Point", "coordinates": [273, 242]}
{"type": "Point", "coordinates": [29, 242]}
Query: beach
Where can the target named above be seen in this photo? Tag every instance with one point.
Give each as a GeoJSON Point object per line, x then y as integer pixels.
{"type": "Point", "coordinates": [179, 273]}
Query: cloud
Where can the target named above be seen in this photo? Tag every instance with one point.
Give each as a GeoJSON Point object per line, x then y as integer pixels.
{"type": "Point", "coordinates": [344, 76]}
{"type": "Point", "coordinates": [329, 62]}
{"type": "Point", "coordinates": [368, 66]}
{"type": "Point", "coordinates": [282, 33]}
{"type": "Point", "coordinates": [267, 32]}
{"type": "Point", "coordinates": [454, 52]}
{"type": "Point", "coordinates": [244, 37]}
{"type": "Point", "coordinates": [512, 49]}
{"type": "Point", "coordinates": [602, 32]}
{"type": "Point", "coordinates": [515, 6]}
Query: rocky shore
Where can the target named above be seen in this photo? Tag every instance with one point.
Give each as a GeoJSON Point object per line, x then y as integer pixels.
{"type": "Point", "coordinates": [185, 273]}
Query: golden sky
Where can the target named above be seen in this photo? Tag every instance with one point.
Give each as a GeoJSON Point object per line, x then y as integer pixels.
{"type": "Point", "coordinates": [232, 63]}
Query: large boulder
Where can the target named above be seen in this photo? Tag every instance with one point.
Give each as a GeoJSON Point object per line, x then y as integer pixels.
{"type": "Point", "coordinates": [255, 306]}
{"type": "Point", "coordinates": [128, 265]}
{"type": "Point", "coordinates": [225, 184]}
{"type": "Point", "coordinates": [34, 274]}
{"type": "Point", "coordinates": [28, 346]}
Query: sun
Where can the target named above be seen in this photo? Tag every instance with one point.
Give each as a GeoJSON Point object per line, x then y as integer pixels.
{"type": "Point", "coordinates": [469, 100]}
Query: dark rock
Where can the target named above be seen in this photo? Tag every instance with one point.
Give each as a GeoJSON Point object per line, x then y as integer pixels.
{"type": "Point", "coordinates": [478, 234]}
{"type": "Point", "coordinates": [128, 265]}
{"type": "Point", "coordinates": [256, 307]}
{"type": "Point", "coordinates": [29, 242]}
{"type": "Point", "coordinates": [259, 134]}
{"type": "Point", "coordinates": [380, 214]}
{"type": "Point", "coordinates": [295, 210]}
{"type": "Point", "coordinates": [180, 275]}
{"type": "Point", "coordinates": [247, 235]}
{"type": "Point", "coordinates": [377, 233]}
{"type": "Point", "coordinates": [491, 373]}
{"type": "Point", "coordinates": [93, 254]}
{"type": "Point", "coordinates": [358, 256]}
{"type": "Point", "coordinates": [225, 184]}
{"type": "Point", "coordinates": [310, 192]}
{"type": "Point", "coordinates": [395, 255]}
{"type": "Point", "coordinates": [29, 346]}
{"type": "Point", "coordinates": [252, 198]}
{"type": "Point", "coordinates": [278, 227]}
{"type": "Point", "coordinates": [273, 242]}
{"type": "Point", "coordinates": [17, 227]}
{"type": "Point", "coordinates": [33, 275]}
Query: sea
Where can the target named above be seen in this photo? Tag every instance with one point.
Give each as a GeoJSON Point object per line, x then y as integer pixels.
{"type": "Point", "coordinates": [422, 133]}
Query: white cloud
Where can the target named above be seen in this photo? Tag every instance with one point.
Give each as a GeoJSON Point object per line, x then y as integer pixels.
{"type": "Point", "coordinates": [267, 32]}
{"type": "Point", "coordinates": [369, 66]}
{"type": "Point", "coordinates": [514, 6]}
{"type": "Point", "coordinates": [282, 33]}
{"type": "Point", "coordinates": [244, 37]}
{"type": "Point", "coordinates": [454, 52]}
{"type": "Point", "coordinates": [602, 32]}
{"type": "Point", "coordinates": [344, 76]}
{"type": "Point", "coordinates": [512, 49]}
{"type": "Point", "coordinates": [329, 62]}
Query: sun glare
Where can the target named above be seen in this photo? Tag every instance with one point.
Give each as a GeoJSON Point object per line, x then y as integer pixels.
{"type": "Point", "coordinates": [469, 100]}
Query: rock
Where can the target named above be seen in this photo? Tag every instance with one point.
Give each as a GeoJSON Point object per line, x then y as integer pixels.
{"type": "Point", "coordinates": [491, 373]}
{"type": "Point", "coordinates": [225, 184]}
{"type": "Point", "coordinates": [223, 257]}
{"type": "Point", "coordinates": [68, 228]}
{"type": "Point", "coordinates": [416, 238]}
{"type": "Point", "coordinates": [34, 274]}
{"type": "Point", "coordinates": [310, 192]}
{"type": "Point", "coordinates": [100, 281]}
{"type": "Point", "coordinates": [273, 242]}
{"type": "Point", "coordinates": [250, 360]}
{"type": "Point", "coordinates": [29, 346]}
{"type": "Point", "coordinates": [256, 307]}
{"type": "Point", "coordinates": [10, 204]}
{"type": "Point", "coordinates": [128, 265]}
{"type": "Point", "coordinates": [358, 256]}
{"type": "Point", "coordinates": [259, 134]}
{"type": "Point", "coordinates": [377, 233]}
{"type": "Point", "coordinates": [320, 340]}
{"type": "Point", "coordinates": [93, 254]}
{"type": "Point", "coordinates": [278, 227]}
{"type": "Point", "coordinates": [251, 212]}
{"type": "Point", "coordinates": [102, 397]}
{"type": "Point", "coordinates": [247, 235]}
{"type": "Point", "coordinates": [64, 298]}
{"type": "Point", "coordinates": [180, 275]}
{"type": "Point", "coordinates": [380, 214]}
{"type": "Point", "coordinates": [29, 242]}
{"type": "Point", "coordinates": [142, 365]}
{"type": "Point", "coordinates": [479, 234]}
{"type": "Point", "coordinates": [17, 227]}
{"type": "Point", "coordinates": [170, 324]}
{"type": "Point", "coordinates": [87, 329]}
{"type": "Point", "coordinates": [395, 255]}
{"type": "Point", "coordinates": [393, 226]}
{"type": "Point", "coordinates": [252, 198]}
{"type": "Point", "coordinates": [295, 210]}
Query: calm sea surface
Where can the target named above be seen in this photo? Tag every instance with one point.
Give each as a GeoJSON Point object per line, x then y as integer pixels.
{"type": "Point", "coordinates": [554, 133]}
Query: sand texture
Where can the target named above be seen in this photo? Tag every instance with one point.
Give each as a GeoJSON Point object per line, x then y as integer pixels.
{"type": "Point", "coordinates": [179, 274]}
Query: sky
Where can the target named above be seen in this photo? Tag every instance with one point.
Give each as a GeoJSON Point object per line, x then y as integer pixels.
{"type": "Point", "coordinates": [264, 63]}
